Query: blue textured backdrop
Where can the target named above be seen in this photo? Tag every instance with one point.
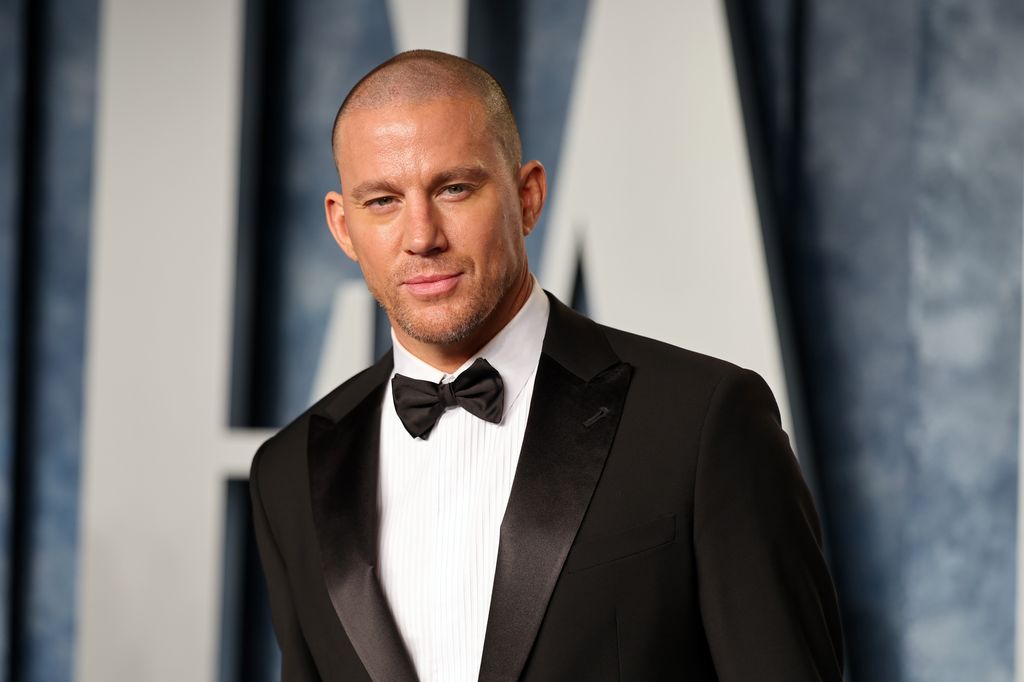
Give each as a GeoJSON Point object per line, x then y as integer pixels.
{"type": "Point", "coordinates": [11, 96]}
{"type": "Point", "coordinates": [54, 65]}
{"type": "Point", "coordinates": [315, 51]}
{"type": "Point", "coordinates": [896, 131]}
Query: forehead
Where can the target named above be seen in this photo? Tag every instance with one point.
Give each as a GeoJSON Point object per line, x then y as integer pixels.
{"type": "Point", "coordinates": [411, 136]}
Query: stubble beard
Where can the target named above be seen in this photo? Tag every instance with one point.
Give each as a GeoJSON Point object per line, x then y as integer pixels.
{"type": "Point", "coordinates": [446, 322]}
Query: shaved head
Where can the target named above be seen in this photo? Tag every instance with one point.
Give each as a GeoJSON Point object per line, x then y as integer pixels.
{"type": "Point", "coordinates": [423, 75]}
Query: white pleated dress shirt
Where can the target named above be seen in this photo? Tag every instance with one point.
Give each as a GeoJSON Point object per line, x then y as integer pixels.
{"type": "Point", "coordinates": [442, 501]}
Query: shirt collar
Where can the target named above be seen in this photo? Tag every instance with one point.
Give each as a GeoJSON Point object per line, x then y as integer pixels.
{"type": "Point", "coordinates": [514, 351]}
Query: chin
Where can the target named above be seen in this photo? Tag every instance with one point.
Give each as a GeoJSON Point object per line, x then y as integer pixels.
{"type": "Point", "coordinates": [441, 325]}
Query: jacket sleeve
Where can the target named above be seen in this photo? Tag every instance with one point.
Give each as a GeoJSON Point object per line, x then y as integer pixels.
{"type": "Point", "coordinates": [767, 601]}
{"type": "Point", "coordinates": [296, 662]}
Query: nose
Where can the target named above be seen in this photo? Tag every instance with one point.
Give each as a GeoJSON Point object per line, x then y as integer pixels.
{"type": "Point", "coordinates": [423, 232]}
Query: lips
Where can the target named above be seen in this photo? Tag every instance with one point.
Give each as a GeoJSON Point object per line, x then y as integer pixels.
{"type": "Point", "coordinates": [427, 286]}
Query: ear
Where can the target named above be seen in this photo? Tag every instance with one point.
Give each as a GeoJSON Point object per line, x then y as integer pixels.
{"type": "Point", "coordinates": [533, 190]}
{"type": "Point", "coordinates": [335, 212]}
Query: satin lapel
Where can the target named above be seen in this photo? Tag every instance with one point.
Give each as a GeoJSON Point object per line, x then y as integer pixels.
{"type": "Point", "coordinates": [578, 396]}
{"type": "Point", "coordinates": [343, 472]}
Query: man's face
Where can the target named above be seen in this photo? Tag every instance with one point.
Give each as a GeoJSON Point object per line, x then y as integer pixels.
{"type": "Point", "coordinates": [434, 215]}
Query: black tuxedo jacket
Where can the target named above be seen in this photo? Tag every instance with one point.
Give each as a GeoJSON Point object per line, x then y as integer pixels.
{"type": "Point", "coordinates": [658, 528]}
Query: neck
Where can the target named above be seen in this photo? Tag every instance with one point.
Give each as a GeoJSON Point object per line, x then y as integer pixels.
{"type": "Point", "coordinates": [450, 357]}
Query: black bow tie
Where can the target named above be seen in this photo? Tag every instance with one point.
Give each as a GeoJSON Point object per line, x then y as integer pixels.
{"type": "Point", "coordinates": [419, 404]}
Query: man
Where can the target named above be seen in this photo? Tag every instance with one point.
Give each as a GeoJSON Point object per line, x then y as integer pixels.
{"type": "Point", "coordinates": [516, 491]}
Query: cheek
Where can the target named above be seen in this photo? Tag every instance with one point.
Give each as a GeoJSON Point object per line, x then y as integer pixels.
{"type": "Point", "coordinates": [373, 246]}
{"type": "Point", "coordinates": [374, 267]}
{"type": "Point", "coordinates": [505, 233]}
{"type": "Point", "coordinates": [496, 249]}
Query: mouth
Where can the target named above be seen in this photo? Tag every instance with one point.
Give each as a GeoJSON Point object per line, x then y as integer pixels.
{"type": "Point", "coordinates": [429, 286]}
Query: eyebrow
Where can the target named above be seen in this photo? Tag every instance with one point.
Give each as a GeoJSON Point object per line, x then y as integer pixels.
{"type": "Point", "coordinates": [373, 187]}
{"type": "Point", "coordinates": [468, 173]}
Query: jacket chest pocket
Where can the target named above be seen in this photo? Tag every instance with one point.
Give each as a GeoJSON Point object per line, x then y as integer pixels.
{"type": "Point", "coordinates": [603, 549]}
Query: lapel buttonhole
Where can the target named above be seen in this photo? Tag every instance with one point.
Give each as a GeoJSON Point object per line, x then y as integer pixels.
{"type": "Point", "coordinates": [601, 413]}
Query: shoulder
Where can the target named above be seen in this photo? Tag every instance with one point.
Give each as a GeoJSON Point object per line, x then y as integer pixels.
{"type": "Point", "coordinates": [638, 349]}
{"type": "Point", "coordinates": [658, 365]}
{"type": "Point", "coordinates": [666, 380]}
{"type": "Point", "coordinates": [580, 343]}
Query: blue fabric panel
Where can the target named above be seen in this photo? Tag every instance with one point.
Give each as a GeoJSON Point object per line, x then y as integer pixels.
{"type": "Point", "coordinates": [551, 34]}
{"type": "Point", "coordinates": [249, 650]}
{"type": "Point", "coordinates": [908, 271]}
{"type": "Point", "coordinates": [965, 338]}
{"type": "Point", "coordinates": [11, 93]}
{"type": "Point", "coordinates": [853, 293]}
{"type": "Point", "coordinates": [325, 47]}
{"type": "Point", "coordinates": [59, 219]}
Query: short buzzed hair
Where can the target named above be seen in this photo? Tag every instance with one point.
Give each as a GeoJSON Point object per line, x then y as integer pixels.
{"type": "Point", "coordinates": [423, 75]}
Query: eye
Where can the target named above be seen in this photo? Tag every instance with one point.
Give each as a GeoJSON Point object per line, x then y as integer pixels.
{"type": "Point", "coordinates": [380, 202]}
{"type": "Point", "coordinates": [455, 190]}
